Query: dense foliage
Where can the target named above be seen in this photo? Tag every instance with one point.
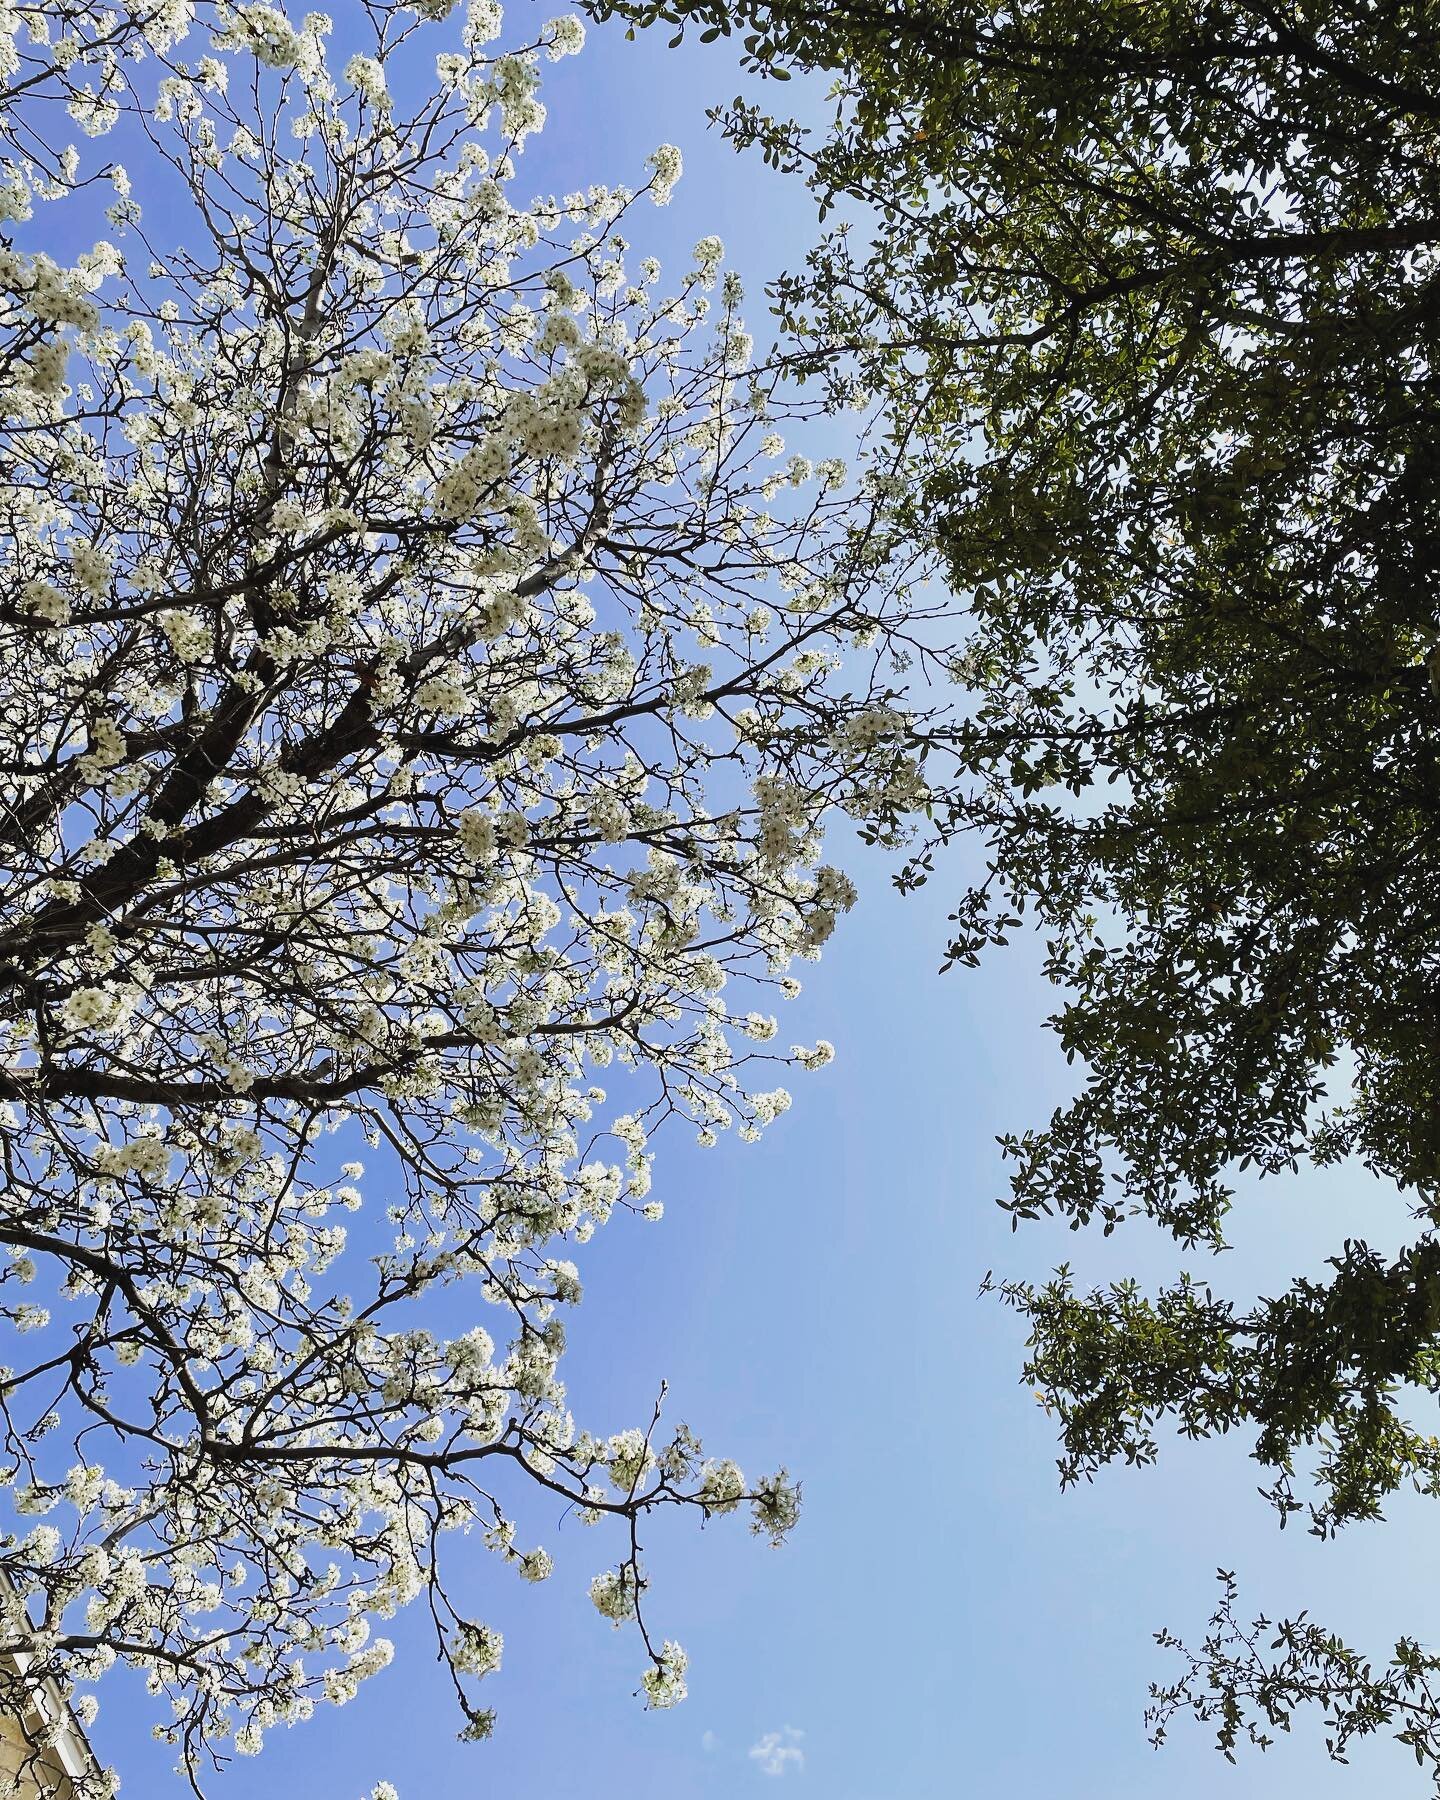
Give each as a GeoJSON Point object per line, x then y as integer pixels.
{"type": "Point", "coordinates": [1151, 295]}
{"type": "Point", "coordinates": [421, 693]}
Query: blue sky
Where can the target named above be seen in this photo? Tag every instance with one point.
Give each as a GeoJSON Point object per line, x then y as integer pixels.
{"type": "Point", "coordinates": [944, 1622]}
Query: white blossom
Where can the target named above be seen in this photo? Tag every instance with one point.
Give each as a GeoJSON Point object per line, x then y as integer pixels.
{"type": "Point", "coordinates": [419, 735]}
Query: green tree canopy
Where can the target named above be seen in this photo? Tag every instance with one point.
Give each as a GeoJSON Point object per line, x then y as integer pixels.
{"type": "Point", "coordinates": [1151, 293]}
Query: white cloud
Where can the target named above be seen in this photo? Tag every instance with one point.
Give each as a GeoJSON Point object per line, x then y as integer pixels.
{"type": "Point", "coordinates": [708, 1741]}
{"type": "Point", "coordinates": [779, 1752]}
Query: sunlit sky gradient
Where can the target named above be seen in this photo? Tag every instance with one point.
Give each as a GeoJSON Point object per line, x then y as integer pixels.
{"type": "Point", "coordinates": [944, 1622]}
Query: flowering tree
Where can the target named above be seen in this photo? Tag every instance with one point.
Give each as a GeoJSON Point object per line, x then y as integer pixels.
{"type": "Point", "coordinates": [415, 705]}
